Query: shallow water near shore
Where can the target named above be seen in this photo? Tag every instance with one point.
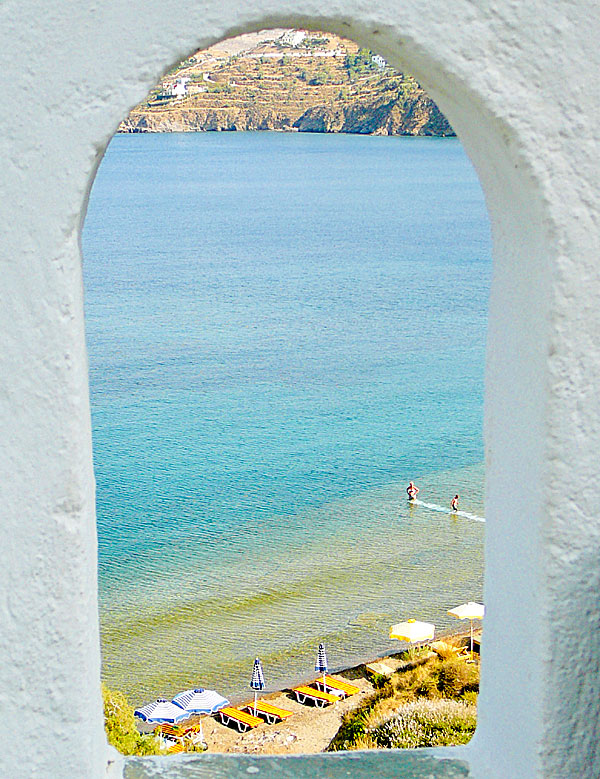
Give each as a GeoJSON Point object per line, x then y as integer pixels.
{"type": "Point", "coordinates": [282, 330]}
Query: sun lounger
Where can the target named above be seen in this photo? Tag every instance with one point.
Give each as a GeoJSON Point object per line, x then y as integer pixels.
{"type": "Point", "coordinates": [171, 737]}
{"type": "Point", "coordinates": [269, 712]}
{"type": "Point", "coordinates": [336, 686]}
{"type": "Point", "coordinates": [318, 698]}
{"type": "Point", "coordinates": [165, 729]}
{"type": "Point", "coordinates": [193, 733]}
{"type": "Point", "coordinates": [238, 717]}
{"type": "Point", "coordinates": [175, 748]}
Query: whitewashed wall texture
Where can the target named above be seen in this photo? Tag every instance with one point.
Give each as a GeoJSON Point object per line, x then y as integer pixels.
{"type": "Point", "coordinates": [518, 80]}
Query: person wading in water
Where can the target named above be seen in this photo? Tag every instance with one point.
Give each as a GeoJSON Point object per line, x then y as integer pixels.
{"type": "Point", "coordinates": [412, 491]}
{"type": "Point", "coordinates": [454, 503]}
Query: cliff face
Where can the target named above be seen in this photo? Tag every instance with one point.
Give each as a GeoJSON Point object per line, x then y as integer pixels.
{"type": "Point", "coordinates": [419, 116]}
{"type": "Point", "coordinates": [292, 81]}
{"type": "Point", "coordinates": [206, 119]}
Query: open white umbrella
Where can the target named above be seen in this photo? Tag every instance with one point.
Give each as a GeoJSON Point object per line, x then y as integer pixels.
{"type": "Point", "coordinates": [321, 664]}
{"type": "Point", "coordinates": [200, 701]}
{"type": "Point", "coordinates": [160, 711]}
{"type": "Point", "coordinates": [412, 631]}
{"type": "Point", "coordinates": [469, 611]}
{"type": "Point", "coordinates": [257, 682]}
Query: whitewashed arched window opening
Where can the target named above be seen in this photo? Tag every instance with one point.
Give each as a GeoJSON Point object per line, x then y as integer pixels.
{"type": "Point", "coordinates": [489, 74]}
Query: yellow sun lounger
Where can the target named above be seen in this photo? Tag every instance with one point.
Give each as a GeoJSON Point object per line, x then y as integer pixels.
{"type": "Point", "coordinates": [336, 686]}
{"type": "Point", "coordinates": [170, 736]}
{"type": "Point", "coordinates": [241, 719]}
{"type": "Point", "coordinates": [269, 712]}
{"type": "Point", "coordinates": [176, 748]}
{"type": "Point", "coordinates": [319, 698]}
{"type": "Point", "coordinates": [166, 729]}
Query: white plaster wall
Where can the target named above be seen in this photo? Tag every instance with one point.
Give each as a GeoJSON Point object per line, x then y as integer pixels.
{"type": "Point", "coordinates": [518, 80]}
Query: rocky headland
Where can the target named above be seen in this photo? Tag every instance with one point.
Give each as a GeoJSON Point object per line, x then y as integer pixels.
{"type": "Point", "coordinates": [288, 80]}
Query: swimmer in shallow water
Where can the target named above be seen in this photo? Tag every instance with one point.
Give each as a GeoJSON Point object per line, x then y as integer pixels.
{"type": "Point", "coordinates": [454, 503]}
{"type": "Point", "coordinates": [412, 491]}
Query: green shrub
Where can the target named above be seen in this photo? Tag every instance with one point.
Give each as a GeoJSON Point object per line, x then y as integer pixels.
{"type": "Point", "coordinates": [121, 729]}
{"type": "Point", "coordinates": [455, 676]}
{"type": "Point", "coordinates": [414, 653]}
{"type": "Point", "coordinates": [320, 78]}
{"type": "Point", "coordinates": [419, 679]}
{"type": "Point", "coordinates": [427, 687]}
{"type": "Point", "coordinates": [379, 680]}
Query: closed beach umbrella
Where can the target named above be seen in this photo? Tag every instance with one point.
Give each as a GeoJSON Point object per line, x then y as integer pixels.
{"type": "Point", "coordinates": [160, 711]}
{"type": "Point", "coordinates": [321, 664]}
{"type": "Point", "coordinates": [257, 682]}
{"type": "Point", "coordinates": [412, 631]}
{"type": "Point", "coordinates": [200, 701]}
{"type": "Point", "coordinates": [469, 611]}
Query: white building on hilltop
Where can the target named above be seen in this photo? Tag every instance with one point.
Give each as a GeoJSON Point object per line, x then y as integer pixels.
{"type": "Point", "coordinates": [293, 37]}
{"type": "Point", "coordinates": [180, 88]}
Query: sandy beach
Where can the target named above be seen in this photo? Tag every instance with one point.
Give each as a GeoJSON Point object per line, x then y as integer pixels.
{"type": "Point", "coordinates": [310, 729]}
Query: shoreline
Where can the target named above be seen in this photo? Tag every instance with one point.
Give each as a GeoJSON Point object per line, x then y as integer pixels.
{"type": "Point", "coordinates": [310, 730]}
{"type": "Point", "coordinates": [283, 617]}
{"type": "Point", "coordinates": [351, 665]}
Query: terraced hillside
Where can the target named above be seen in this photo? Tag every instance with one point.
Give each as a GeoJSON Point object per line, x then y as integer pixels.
{"type": "Point", "coordinates": [288, 80]}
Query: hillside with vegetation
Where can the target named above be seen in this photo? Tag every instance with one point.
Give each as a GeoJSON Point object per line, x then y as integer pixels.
{"type": "Point", "coordinates": [430, 701]}
{"type": "Point", "coordinates": [289, 80]}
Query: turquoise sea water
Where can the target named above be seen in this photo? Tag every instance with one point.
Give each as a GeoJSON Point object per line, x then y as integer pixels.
{"type": "Point", "coordinates": [282, 330]}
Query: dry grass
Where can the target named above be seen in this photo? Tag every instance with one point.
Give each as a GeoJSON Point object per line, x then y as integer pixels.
{"type": "Point", "coordinates": [428, 702]}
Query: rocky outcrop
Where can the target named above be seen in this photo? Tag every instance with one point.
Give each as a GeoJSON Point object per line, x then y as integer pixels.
{"type": "Point", "coordinates": [416, 116]}
{"type": "Point", "coordinates": [222, 119]}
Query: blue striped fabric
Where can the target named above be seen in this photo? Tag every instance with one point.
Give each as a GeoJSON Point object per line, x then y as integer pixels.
{"type": "Point", "coordinates": [321, 664]}
{"type": "Point", "coordinates": [162, 710]}
{"type": "Point", "coordinates": [200, 701]}
{"type": "Point", "coordinates": [258, 680]}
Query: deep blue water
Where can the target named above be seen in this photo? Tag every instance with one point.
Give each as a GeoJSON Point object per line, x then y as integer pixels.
{"type": "Point", "coordinates": [282, 330]}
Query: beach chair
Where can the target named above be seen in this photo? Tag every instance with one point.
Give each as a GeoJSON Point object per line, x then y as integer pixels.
{"type": "Point", "coordinates": [271, 713]}
{"type": "Point", "coordinates": [336, 687]}
{"type": "Point", "coordinates": [317, 697]}
{"type": "Point", "coordinates": [170, 737]}
{"type": "Point", "coordinates": [193, 734]}
{"type": "Point", "coordinates": [242, 720]}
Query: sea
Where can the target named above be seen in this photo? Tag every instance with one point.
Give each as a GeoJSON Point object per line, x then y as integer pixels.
{"type": "Point", "coordinates": [283, 329]}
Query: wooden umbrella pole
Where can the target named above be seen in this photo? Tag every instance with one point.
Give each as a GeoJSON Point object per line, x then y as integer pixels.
{"type": "Point", "coordinates": [471, 621]}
